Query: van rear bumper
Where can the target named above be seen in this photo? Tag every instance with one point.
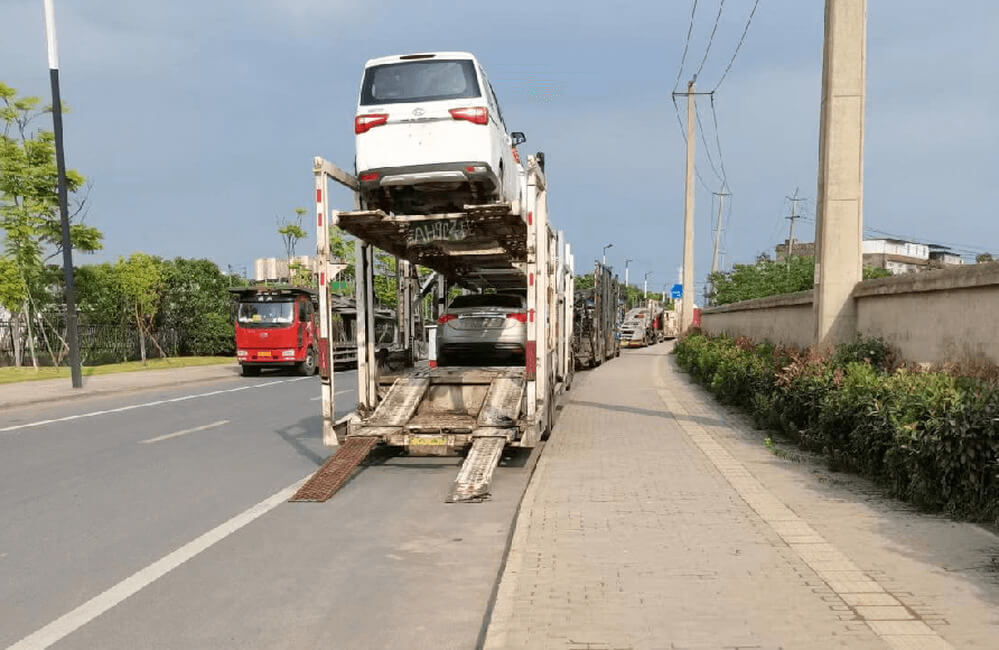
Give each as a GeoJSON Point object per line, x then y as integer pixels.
{"type": "Point", "coordinates": [442, 174]}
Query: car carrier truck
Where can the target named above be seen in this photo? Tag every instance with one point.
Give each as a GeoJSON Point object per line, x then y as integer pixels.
{"type": "Point", "coordinates": [472, 410]}
{"type": "Point", "coordinates": [594, 333]}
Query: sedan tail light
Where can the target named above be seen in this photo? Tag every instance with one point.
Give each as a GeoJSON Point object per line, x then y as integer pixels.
{"type": "Point", "coordinates": [519, 316]}
{"type": "Point", "coordinates": [446, 318]}
{"type": "Point", "coordinates": [364, 123]}
{"type": "Point", "coordinates": [475, 115]}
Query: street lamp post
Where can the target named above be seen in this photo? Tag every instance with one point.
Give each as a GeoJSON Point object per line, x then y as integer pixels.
{"type": "Point", "coordinates": [72, 334]}
{"type": "Point", "coordinates": [627, 299]}
{"type": "Point", "coordinates": [645, 288]}
{"type": "Point", "coordinates": [604, 256]}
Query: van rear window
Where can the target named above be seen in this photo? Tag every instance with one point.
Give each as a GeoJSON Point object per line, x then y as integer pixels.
{"type": "Point", "coordinates": [419, 81]}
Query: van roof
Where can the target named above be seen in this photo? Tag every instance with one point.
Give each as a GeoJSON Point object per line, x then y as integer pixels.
{"type": "Point", "coordinates": [399, 58]}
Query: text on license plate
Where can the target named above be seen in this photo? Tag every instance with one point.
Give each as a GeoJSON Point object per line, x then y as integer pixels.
{"type": "Point", "coordinates": [427, 440]}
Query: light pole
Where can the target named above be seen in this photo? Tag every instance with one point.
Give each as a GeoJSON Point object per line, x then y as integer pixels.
{"type": "Point", "coordinates": [72, 335]}
{"type": "Point", "coordinates": [627, 299]}
{"type": "Point", "coordinates": [604, 256]}
{"type": "Point", "coordinates": [645, 288]}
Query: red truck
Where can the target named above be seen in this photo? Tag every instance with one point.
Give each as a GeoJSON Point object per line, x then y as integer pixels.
{"type": "Point", "coordinates": [277, 327]}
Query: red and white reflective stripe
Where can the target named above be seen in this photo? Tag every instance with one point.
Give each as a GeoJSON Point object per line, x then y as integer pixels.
{"type": "Point", "coordinates": [530, 218]}
{"type": "Point", "coordinates": [530, 279]}
{"type": "Point", "coordinates": [322, 278]}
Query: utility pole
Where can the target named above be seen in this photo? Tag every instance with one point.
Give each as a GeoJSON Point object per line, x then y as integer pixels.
{"type": "Point", "coordinates": [687, 313]}
{"type": "Point", "coordinates": [840, 198]}
{"type": "Point", "coordinates": [72, 332]}
{"type": "Point", "coordinates": [794, 216]}
{"type": "Point", "coordinates": [645, 288]}
{"type": "Point", "coordinates": [627, 301]}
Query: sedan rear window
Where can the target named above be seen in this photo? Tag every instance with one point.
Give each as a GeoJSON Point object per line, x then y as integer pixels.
{"type": "Point", "coordinates": [487, 300]}
{"type": "Point", "coordinates": [419, 81]}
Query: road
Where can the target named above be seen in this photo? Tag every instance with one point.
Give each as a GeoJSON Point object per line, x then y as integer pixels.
{"type": "Point", "coordinates": [105, 511]}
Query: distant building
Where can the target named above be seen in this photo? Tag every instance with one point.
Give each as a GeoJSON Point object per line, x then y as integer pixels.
{"type": "Point", "coordinates": [800, 249]}
{"type": "Point", "coordinates": [895, 255]}
{"type": "Point", "coordinates": [275, 269]}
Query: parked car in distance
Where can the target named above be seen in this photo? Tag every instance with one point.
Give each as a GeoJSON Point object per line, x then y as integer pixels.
{"type": "Point", "coordinates": [486, 328]}
{"type": "Point", "coordinates": [430, 136]}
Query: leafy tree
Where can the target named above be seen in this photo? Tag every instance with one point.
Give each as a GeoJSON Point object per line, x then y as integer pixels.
{"type": "Point", "coordinates": [141, 281]}
{"type": "Point", "coordinates": [291, 232]}
{"type": "Point", "coordinates": [983, 258]}
{"type": "Point", "coordinates": [197, 303]}
{"type": "Point", "coordinates": [29, 209]}
{"type": "Point", "coordinates": [769, 278]}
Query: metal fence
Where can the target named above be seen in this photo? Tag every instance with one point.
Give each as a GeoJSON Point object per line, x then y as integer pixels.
{"type": "Point", "coordinates": [99, 343]}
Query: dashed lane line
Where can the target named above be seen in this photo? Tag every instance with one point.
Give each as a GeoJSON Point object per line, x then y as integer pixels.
{"type": "Point", "coordinates": [132, 407]}
{"type": "Point", "coordinates": [184, 432]}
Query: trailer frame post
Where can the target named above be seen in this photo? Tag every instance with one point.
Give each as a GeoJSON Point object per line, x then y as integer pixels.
{"type": "Point", "coordinates": [367, 366]}
{"type": "Point", "coordinates": [531, 344]}
{"type": "Point", "coordinates": [543, 283]}
{"type": "Point", "coordinates": [327, 380]}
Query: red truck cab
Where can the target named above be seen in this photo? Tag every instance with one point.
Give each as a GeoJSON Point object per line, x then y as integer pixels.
{"type": "Point", "coordinates": [277, 327]}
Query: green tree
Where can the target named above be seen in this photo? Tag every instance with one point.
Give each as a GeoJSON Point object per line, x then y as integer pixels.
{"type": "Point", "coordinates": [983, 258]}
{"type": "Point", "coordinates": [140, 279]}
{"type": "Point", "coordinates": [291, 232]}
{"type": "Point", "coordinates": [769, 278]}
{"type": "Point", "coordinates": [29, 214]}
{"type": "Point", "coordinates": [196, 302]}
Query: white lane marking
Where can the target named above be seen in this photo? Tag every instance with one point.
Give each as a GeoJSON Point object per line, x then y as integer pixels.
{"type": "Point", "coordinates": [339, 392]}
{"type": "Point", "coordinates": [88, 611]}
{"type": "Point", "coordinates": [184, 432]}
{"type": "Point", "coordinates": [131, 407]}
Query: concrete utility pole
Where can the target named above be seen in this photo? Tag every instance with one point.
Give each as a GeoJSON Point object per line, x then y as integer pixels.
{"type": "Point", "coordinates": [627, 302]}
{"type": "Point", "coordinates": [794, 216]}
{"type": "Point", "coordinates": [687, 314]}
{"type": "Point", "coordinates": [72, 333]}
{"type": "Point", "coordinates": [718, 229]}
{"type": "Point", "coordinates": [840, 203]}
{"type": "Point", "coordinates": [603, 259]}
{"type": "Point", "coordinates": [645, 287]}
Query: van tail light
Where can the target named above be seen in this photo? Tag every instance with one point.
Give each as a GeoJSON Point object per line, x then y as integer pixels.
{"type": "Point", "coordinates": [367, 178]}
{"type": "Point", "coordinates": [364, 123]}
{"type": "Point", "coordinates": [475, 115]}
{"type": "Point", "coordinates": [519, 316]}
{"type": "Point", "coordinates": [446, 318]}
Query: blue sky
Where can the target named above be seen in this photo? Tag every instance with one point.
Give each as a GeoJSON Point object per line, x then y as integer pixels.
{"type": "Point", "coordinates": [197, 121]}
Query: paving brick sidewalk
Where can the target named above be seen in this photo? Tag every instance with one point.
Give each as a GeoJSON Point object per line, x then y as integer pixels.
{"type": "Point", "coordinates": [640, 531]}
{"type": "Point", "coordinates": [26, 393]}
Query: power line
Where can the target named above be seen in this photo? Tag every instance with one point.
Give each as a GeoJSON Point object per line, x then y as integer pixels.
{"type": "Point", "coordinates": [683, 134]}
{"type": "Point", "coordinates": [738, 47]}
{"type": "Point", "coordinates": [686, 44]}
{"type": "Point", "coordinates": [711, 39]}
{"type": "Point", "coordinates": [707, 149]}
{"type": "Point", "coordinates": [721, 157]}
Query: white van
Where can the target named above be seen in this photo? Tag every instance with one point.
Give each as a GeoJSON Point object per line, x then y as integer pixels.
{"type": "Point", "coordinates": [430, 136]}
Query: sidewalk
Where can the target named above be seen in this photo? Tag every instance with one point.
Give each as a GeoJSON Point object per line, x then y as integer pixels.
{"type": "Point", "coordinates": [653, 521]}
{"type": "Point", "coordinates": [26, 393]}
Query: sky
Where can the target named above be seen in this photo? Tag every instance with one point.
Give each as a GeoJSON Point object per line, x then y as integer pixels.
{"type": "Point", "coordinates": [197, 122]}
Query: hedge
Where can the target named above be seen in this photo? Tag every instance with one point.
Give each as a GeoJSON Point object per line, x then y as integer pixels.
{"type": "Point", "coordinates": [930, 437]}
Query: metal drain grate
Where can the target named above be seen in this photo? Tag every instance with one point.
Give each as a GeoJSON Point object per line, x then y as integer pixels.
{"type": "Point", "coordinates": [476, 472]}
{"type": "Point", "coordinates": [336, 470]}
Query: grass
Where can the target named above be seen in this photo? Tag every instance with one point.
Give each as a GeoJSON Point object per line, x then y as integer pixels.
{"type": "Point", "coordinates": [11, 375]}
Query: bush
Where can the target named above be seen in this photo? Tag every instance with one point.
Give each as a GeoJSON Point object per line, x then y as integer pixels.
{"type": "Point", "coordinates": [930, 437]}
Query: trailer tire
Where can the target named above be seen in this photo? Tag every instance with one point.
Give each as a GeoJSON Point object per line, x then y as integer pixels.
{"type": "Point", "coordinates": [249, 371]}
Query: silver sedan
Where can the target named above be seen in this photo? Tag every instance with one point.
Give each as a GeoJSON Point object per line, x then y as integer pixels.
{"type": "Point", "coordinates": [481, 329]}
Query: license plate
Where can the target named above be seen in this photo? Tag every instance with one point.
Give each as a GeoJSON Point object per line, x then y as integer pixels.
{"type": "Point", "coordinates": [435, 441]}
{"type": "Point", "coordinates": [264, 354]}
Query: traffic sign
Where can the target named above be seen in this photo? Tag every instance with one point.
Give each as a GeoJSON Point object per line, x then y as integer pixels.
{"type": "Point", "coordinates": [676, 291]}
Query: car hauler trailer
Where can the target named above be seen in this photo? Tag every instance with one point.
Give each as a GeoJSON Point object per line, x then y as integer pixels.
{"type": "Point", "coordinates": [452, 410]}
{"type": "Point", "coordinates": [594, 332]}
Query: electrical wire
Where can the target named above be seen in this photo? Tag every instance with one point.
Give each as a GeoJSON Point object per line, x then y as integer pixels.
{"type": "Point", "coordinates": [686, 45]}
{"type": "Point", "coordinates": [738, 47]}
{"type": "Point", "coordinates": [683, 134]}
{"type": "Point", "coordinates": [721, 157]}
{"type": "Point", "coordinates": [707, 149]}
{"type": "Point", "coordinates": [711, 39]}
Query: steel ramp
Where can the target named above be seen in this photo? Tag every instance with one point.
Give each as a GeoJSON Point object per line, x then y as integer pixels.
{"type": "Point", "coordinates": [476, 473]}
{"type": "Point", "coordinates": [336, 470]}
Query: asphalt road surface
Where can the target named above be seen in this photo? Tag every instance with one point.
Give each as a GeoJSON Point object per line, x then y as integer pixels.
{"type": "Point", "coordinates": [159, 520]}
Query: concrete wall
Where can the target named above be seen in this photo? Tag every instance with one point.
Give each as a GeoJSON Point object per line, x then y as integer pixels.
{"type": "Point", "coordinates": [950, 315]}
{"type": "Point", "coordinates": [787, 319]}
{"type": "Point", "coordinates": [947, 315]}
